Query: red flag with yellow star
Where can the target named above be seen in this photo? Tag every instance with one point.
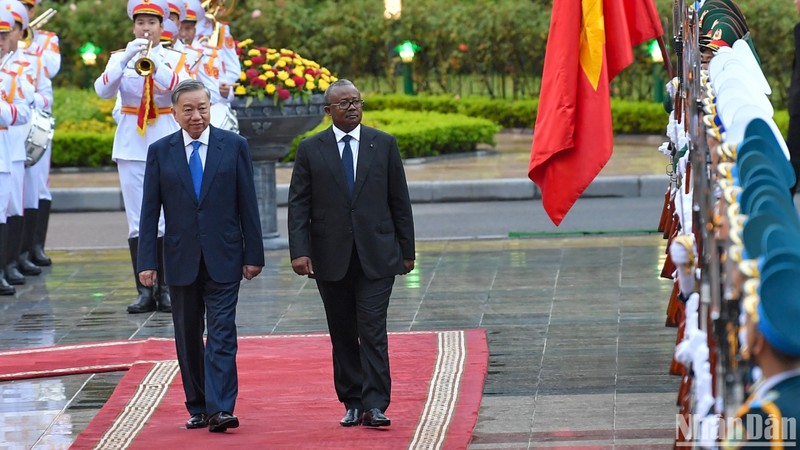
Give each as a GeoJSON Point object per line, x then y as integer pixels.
{"type": "Point", "coordinates": [588, 45]}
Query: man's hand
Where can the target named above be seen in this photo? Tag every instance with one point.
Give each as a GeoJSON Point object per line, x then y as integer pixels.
{"type": "Point", "coordinates": [249, 272]}
{"type": "Point", "coordinates": [224, 89]}
{"type": "Point", "coordinates": [148, 278]}
{"type": "Point", "coordinates": [302, 266]}
{"type": "Point", "coordinates": [409, 265]}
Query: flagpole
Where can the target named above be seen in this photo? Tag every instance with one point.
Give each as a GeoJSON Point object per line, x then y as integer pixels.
{"type": "Point", "coordinates": [666, 59]}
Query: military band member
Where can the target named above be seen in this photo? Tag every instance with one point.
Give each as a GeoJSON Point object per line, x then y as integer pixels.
{"type": "Point", "coordinates": [177, 12]}
{"type": "Point", "coordinates": [46, 44]}
{"type": "Point", "coordinates": [207, 66]}
{"type": "Point", "coordinates": [13, 111]}
{"type": "Point", "coordinates": [146, 116]}
{"type": "Point", "coordinates": [17, 268]}
{"type": "Point", "coordinates": [224, 48]}
{"type": "Point", "coordinates": [43, 51]}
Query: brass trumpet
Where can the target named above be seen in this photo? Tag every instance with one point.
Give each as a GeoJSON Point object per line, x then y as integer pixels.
{"type": "Point", "coordinates": [35, 24]}
{"type": "Point", "coordinates": [145, 66]}
{"type": "Point", "coordinates": [216, 9]}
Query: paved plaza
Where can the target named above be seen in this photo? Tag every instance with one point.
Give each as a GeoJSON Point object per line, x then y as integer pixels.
{"type": "Point", "coordinates": [578, 349]}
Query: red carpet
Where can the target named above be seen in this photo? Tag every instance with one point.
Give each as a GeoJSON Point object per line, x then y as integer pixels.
{"type": "Point", "coordinates": [286, 396]}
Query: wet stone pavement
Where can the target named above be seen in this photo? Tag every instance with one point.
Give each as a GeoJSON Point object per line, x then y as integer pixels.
{"type": "Point", "coordinates": [578, 349]}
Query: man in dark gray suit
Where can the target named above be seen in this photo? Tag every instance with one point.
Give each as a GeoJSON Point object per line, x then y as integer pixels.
{"type": "Point", "coordinates": [350, 227]}
{"type": "Point", "coordinates": [203, 177]}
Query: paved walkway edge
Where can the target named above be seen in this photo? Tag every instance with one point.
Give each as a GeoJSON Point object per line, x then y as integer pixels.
{"type": "Point", "coordinates": [110, 199]}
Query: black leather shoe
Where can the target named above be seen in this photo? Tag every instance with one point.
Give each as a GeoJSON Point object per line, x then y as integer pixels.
{"type": "Point", "coordinates": [221, 421]}
{"type": "Point", "coordinates": [26, 267]}
{"type": "Point", "coordinates": [351, 418]}
{"type": "Point", "coordinates": [5, 288]}
{"type": "Point", "coordinates": [13, 276]}
{"type": "Point", "coordinates": [375, 418]}
{"type": "Point", "coordinates": [197, 421]}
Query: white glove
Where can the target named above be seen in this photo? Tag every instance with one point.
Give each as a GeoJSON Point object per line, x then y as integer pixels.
{"type": "Point", "coordinates": [135, 48]}
{"type": "Point", "coordinates": [664, 148]}
{"type": "Point", "coordinates": [681, 166]}
{"type": "Point", "coordinates": [683, 254]}
{"type": "Point", "coordinates": [704, 399]}
{"type": "Point", "coordinates": [672, 128]}
{"type": "Point", "coordinates": [672, 86]}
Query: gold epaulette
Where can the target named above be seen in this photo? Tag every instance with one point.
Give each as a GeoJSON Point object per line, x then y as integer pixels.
{"type": "Point", "coordinates": [45, 32]}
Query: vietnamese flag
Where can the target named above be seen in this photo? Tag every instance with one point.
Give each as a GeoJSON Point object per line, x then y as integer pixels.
{"type": "Point", "coordinates": [589, 43]}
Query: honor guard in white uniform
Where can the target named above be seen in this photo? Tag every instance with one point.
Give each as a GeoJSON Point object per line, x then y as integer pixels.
{"type": "Point", "coordinates": [14, 111]}
{"type": "Point", "coordinates": [17, 268]}
{"type": "Point", "coordinates": [225, 47]}
{"type": "Point", "coordinates": [211, 68]}
{"type": "Point", "coordinates": [42, 49]}
{"type": "Point", "coordinates": [142, 78]}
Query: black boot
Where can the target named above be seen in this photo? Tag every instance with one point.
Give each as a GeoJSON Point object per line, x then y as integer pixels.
{"type": "Point", "coordinates": [38, 256]}
{"type": "Point", "coordinates": [14, 241]}
{"type": "Point", "coordinates": [162, 290]}
{"type": "Point", "coordinates": [24, 263]}
{"type": "Point", "coordinates": [145, 301]}
{"type": "Point", "coordinates": [5, 288]}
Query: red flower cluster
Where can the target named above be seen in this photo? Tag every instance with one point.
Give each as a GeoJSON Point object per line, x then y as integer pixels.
{"type": "Point", "coordinates": [279, 74]}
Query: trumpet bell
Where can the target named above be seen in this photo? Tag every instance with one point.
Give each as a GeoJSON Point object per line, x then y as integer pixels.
{"type": "Point", "coordinates": [144, 66]}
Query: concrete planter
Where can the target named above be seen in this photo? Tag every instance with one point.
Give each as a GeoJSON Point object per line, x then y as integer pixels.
{"type": "Point", "coordinates": [270, 130]}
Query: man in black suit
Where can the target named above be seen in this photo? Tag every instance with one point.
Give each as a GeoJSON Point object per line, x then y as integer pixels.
{"type": "Point", "coordinates": [350, 227]}
{"type": "Point", "coordinates": [203, 178]}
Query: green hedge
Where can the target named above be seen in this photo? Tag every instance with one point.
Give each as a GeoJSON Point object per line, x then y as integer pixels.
{"type": "Point", "coordinates": [629, 117]}
{"type": "Point", "coordinates": [82, 149]}
{"type": "Point", "coordinates": [423, 125]}
{"type": "Point", "coordinates": [423, 133]}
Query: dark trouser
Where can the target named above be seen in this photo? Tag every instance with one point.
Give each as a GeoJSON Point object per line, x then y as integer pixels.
{"type": "Point", "coordinates": [208, 372]}
{"type": "Point", "coordinates": [356, 311]}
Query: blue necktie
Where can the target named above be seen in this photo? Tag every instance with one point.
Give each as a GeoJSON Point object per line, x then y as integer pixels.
{"type": "Point", "coordinates": [347, 163]}
{"type": "Point", "coordinates": [196, 168]}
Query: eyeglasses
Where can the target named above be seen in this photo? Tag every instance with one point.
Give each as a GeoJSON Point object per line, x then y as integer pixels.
{"type": "Point", "coordinates": [344, 105]}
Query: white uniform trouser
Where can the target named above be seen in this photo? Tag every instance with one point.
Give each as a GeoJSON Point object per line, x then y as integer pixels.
{"type": "Point", "coordinates": [131, 180]}
{"type": "Point", "coordinates": [17, 182]}
{"type": "Point", "coordinates": [36, 182]}
{"type": "Point", "coordinates": [5, 194]}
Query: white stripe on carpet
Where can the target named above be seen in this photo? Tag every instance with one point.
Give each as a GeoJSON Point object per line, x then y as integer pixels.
{"type": "Point", "coordinates": [443, 392]}
{"type": "Point", "coordinates": [141, 406]}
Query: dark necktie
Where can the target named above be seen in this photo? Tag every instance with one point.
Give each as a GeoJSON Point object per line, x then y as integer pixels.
{"type": "Point", "coordinates": [196, 168]}
{"type": "Point", "coordinates": [347, 163]}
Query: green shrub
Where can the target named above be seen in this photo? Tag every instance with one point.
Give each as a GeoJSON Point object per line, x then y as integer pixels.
{"type": "Point", "coordinates": [628, 117]}
{"type": "Point", "coordinates": [638, 117]}
{"type": "Point", "coordinates": [423, 133]}
{"type": "Point", "coordinates": [82, 148]}
{"type": "Point", "coordinates": [781, 119]}
{"type": "Point", "coordinates": [82, 110]}
{"type": "Point", "coordinates": [506, 113]}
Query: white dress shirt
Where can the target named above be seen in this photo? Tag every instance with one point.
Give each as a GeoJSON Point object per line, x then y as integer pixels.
{"type": "Point", "coordinates": [189, 148]}
{"type": "Point", "coordinates": [356, 135]}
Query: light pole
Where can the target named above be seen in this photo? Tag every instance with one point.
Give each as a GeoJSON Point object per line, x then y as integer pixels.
{"type": "Point", "coordinates": [89, 53]}
{"type": "Point", "coordinates": [656, 60]}
{"type": "Point", "coordinates": [407, 50]}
